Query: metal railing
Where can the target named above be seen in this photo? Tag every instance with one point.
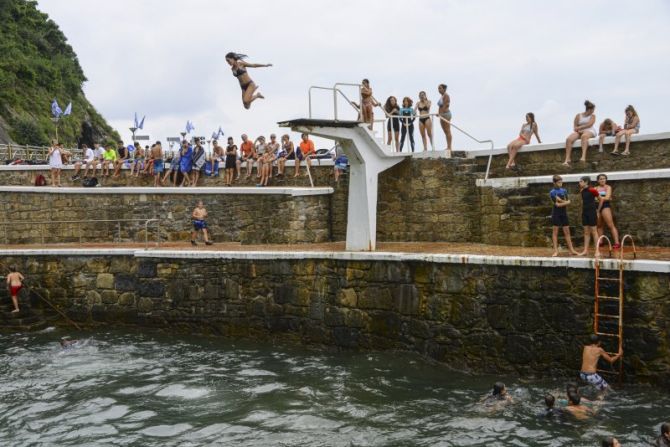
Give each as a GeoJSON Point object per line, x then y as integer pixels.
{"type": "Point", "coordinates": [32, 153]}
{"type": "Point", "coordinates": [28, 225]}
{"type": "Point", "coordinates": [336, 90]}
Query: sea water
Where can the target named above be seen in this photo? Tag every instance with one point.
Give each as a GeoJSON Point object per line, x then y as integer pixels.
{"type": "Point", "coordinates": [148, 389]}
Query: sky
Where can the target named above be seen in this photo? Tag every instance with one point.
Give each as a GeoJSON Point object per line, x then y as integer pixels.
{"type": "Point", "coordinates": [500, 59]}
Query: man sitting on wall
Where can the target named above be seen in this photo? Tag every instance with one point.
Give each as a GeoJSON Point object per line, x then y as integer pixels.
{"type": "Point", "coordinates": [89, 160]}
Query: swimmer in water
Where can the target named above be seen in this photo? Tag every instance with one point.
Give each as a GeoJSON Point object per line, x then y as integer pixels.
{"type": "Point", "coordinates": [67, 343]}
{"type": "Point", "coordinates": [498, 398]}
{"type": "Point", "coordinates": [550, 411]}
{"type": "Point", "coordinates": [610, 442]}
{"type": "Point", "coordinates": [664, 439]}
{"type": "Point", "coordinates": [575, 407]}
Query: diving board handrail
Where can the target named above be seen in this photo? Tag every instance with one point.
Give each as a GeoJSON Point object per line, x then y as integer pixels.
{"type": "Point", "coordinates": [335, 89]}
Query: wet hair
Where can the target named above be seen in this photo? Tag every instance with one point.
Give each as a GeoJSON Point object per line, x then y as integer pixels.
{"type": "Point", "coordinates": [407, 100]}
{"type": "Point", "coordinates": [549, 400]}
{"type": "Point", "coordinates": [586, 179]}
{"type": "Point", "coordinates": [574, 397]}
{"type": "Point", "coordinates": [387, 104]}
{"type": "Point", "coordinates": [236, 56]}
{"type": "Point", "coordinates": [531, 115]}
{"type": "Point", "coordinates": [665, 428]}
{"type": "Point", "coordinates": [593, 338]}
{"type": "Point", "coordinates": [589, 105]}
{"type": "Point", "coordinates": [12, 268]}
{"type": "Point", "coordinates": [498, 388]}
{"type": "Point", "coordinates": [366, 81]}
{"type": "Point", "coordinates": [607, 442]}
{"type": "Point", "coordinates": [556, 178]}
{"type": "Point", "coordinates": [631, 109]}
{"type": "Point", "coordinates": [601, 175]}
{"type": "Point", "coordinates": [444, 86]}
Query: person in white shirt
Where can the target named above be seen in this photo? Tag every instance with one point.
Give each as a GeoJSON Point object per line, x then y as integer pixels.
{"type": "Point", "coordinates": [89, 161]}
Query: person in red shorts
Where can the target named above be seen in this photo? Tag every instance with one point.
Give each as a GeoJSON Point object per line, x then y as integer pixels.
{"type": "Point", "coordinates": [15, 284]}
{"type": "Point", "coordinates": [306, 152]}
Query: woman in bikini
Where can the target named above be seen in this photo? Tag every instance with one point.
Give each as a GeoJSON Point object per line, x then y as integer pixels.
{"type": "Point", "coordinates": [605, 216]}
{"type": "Point", "coordinates": [583, 128]}
{"type": "Point", "coordinates": [393, 122]}
{"type": "Point", "coordinates": [239, 68]}
{"type": "Point", "coordinates": [425, 121]}
{"type": "Point", "coordinates": [368, 103]}
{"type": "Point", "coordinates": [443, 110]}
{"type": "Point", "coordinates": [528, 129]}
{"type": "Point", "coordinates": [631, 126]}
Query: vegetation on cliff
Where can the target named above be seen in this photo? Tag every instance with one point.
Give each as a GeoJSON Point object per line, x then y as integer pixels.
{"type": "Point", "coordinates": [38, 65]}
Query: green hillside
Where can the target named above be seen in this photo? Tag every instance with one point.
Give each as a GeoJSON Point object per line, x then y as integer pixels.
{"type": "Point", "coordinates": [38, 65]}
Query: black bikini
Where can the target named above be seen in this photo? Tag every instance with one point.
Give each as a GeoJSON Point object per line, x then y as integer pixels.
{"type": "Point", "coordinates": [239, 72]}
{"type": "Point", "coordinates": [423, 109]}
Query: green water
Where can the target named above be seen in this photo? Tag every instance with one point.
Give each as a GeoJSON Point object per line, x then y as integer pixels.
{"type": "Point", "coordinates": [129, 388]}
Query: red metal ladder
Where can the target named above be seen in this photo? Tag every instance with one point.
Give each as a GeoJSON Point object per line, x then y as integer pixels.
{"type": "Point", "coordinates": [604, 315]}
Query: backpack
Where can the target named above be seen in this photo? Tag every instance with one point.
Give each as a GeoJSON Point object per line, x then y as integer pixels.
{"type": "Point", "coordinates": [89, 182]}
{"type": "Point", "coordinates": [40, 180]}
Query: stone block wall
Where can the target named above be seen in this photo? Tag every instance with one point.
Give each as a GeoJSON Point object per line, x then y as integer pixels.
{"type": "Point", "coordinates": [494, 319]}
{"type": "Point", "coordinates": [521, 216]}
{"type": "Point", "coordinates": [249, 219]}
{"type": "Point", "coordinates": [644, 155]}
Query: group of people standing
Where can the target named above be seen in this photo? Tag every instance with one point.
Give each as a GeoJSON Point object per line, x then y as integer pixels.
{"type": "Point", "coordinates": [583, 129]}
{"type": "Point", "coordinates": [401, 117]}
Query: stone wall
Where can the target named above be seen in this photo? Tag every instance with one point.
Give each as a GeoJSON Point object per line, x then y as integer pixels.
{"type": "Point", "coordinates": [644, 155]}
{"type": "Point", "coordinates": [531, 321]}
{"type": "Point", "coordinates": [249, 219]}
{"type": "Point", "coordinates": [521, 216]}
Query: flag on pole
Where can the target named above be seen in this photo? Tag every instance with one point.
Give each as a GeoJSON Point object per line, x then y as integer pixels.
{"type": "Point", "coordinates": [214, 135]}
{"type": "Point", "coordinates": [220, 132]}
{"type": "Point", "coordinates": [68, 110]}
{"type": "Point", "coordinates": [189, 126]}
{"type": "Point", "coordinates": [141, 126]}
{"type": "Point", "coordinates": [55, 109]}
{"type": "Point", "coordinates": [136, 123]}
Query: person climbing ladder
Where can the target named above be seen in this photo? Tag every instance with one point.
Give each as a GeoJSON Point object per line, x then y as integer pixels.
{"type": "Point", "coordinates": [15, 284]}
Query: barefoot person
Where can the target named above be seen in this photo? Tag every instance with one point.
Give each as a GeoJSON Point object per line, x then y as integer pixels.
{"type": "Point", "coordinates": [583, 128]}
{"type": "Point", "coordinates": [607, 128]}
{"type": "Point", "coordinates": [559, 215]}
{"type": "Point", "coordinates": [368, 103]}
{"type": "Point", "coordinates": [590, 356]}
{"type": "Point", "coordinates": [393, 122]}
{"type": "Point", "coordinates": [15, 284]}
{"type": "Point", "coordinates": [443, 110]}
{"type": "Point", "coordinates": [239, 68]}
{"type": "Point", "coordinates": [55, 158]}
{"type": "Point", "coordinates": [631, 126]}
{"type": "Point", "coordinates": [306, 151]}
{"type": "Point", "coordinates": [589, 217]}
{"type": "Point", "coordinates": [605, 216]}
{"type": "Point", "coordinates": [199, 215]}
{"type": "Point", "coordinates": [159, 162]}
{"type": "Point", "coordinates": [425, 121]}
{"type": "Point", "coordinates": [528, 129]}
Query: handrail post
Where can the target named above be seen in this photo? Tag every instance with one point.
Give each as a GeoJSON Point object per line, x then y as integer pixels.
{"type": "Point", "coordinates": [335, 102]}
{"type": "Point", "coordinates": [118, 227]}
{"type": "Point", "coordinates": [309, 95]}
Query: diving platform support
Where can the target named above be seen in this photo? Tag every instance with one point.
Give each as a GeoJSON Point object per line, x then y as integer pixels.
{"type": "Point", "coordinates": [368, 156]}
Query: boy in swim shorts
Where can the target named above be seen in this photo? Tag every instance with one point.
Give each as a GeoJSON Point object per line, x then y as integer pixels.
{"type": "Point", "coordinates": [199, 215]}
{"type": "Point", "coordinates": [15, 284]}
{"type": "Point", "coordinates": [590, 356]}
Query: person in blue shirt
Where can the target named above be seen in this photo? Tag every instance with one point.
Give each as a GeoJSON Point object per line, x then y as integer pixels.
{"type": "Point", "coordinates": [341, 163]}
{"type": "Point", "coordinates": [186, 162]}
{"type": "Point", "coordinates": [407, 123]}
{"type": "Point", "coordinates": [559, 214]}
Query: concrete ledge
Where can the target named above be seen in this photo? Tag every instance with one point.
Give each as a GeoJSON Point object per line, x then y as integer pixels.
{"type": "Point", "coordinates": [45, 167]}
{"type": "Point", "coordinates": [553, 146]}
{"type": "Point", "coordinates": [519, 182]}
{"type": "Point", "coordinates": [200, 190]}
{"type": "Point", "coordinates": [642, 265]}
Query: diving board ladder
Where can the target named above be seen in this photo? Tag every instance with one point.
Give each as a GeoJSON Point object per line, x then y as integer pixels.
{"type": "Point", "coordinates": [608, 311]}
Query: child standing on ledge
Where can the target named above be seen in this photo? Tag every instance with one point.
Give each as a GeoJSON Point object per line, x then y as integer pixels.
{"type": "Point", "coordinates": [15, 284]}
{"type": "Point", "coordinates": [589, 218]}
{"type": "Point", "coordinates": [199, 215]}
{"type": "Point", "coordinates": [559, 214]}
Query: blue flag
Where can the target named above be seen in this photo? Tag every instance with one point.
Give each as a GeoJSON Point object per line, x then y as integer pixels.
{"type": "Point", "coordinates": [55, 109]}
{"type": "Point", "coordinates": [220, 131]}
{"type": "Point", "coordinates": [141, 126]}
{"type": "Point", "coordinates": [214, 135]}
{"type": "Point", "coordinates": [136, 124]}
{"type": "Point", "coordinates": [68, 110]}
{"type": "Point", "coordinates": [189, 126]}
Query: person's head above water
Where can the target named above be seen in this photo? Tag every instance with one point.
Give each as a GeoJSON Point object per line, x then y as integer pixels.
{"type": "Point", "coordinates": [574, 398]}
{"type": "Point", "coordinates": [610, 442]}
{"type": "Point", "coordinates": [499, 389]}
{"type": "Point", "coordinates": [665, 430]}
{"type": "Point", "coordinates": [549, 400]}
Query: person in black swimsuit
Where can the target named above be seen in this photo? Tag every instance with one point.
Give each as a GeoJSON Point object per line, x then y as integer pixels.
{"type": "Point", "coordinates": [425, 122]}
{"type": "Point", "coordinates": [391, 108]}
{"type": "Point", "coordinates": [239, 68]}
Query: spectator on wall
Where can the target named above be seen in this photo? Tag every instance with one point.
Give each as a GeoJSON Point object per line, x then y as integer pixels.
{"type": "Point", "coordinates": [159, 163]}
{"type": "Point", "coordinates": [198, 161]}
{"type": "Point", "coordinates": [248, 154]}
{"type": "Point", "coordinates": [89, 161]}
{"type": "Point", "coordinates": [631, 126]}
{"type": "Point", "coordinates": [186, 163]}
{"type": "Point", "coordinates": [122, 156]}
{"type": "Point", "coordinates": [528, 129]}
{"type": "Point", "coordinates": [583, 129]}
{"type": "Point", "coordinates": [306, 151]}
{"type": "Point", "coordinates": [55, 162]}
{"type": "Point", "coordinates": [607, 128]}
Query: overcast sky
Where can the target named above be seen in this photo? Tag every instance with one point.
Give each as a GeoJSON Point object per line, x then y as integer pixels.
{"type": "Point", "coordinates": [500, 59]}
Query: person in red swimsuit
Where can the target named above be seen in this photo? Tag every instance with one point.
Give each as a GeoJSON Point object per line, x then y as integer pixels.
{"type": "Point", "coordinates": [15, 284]}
